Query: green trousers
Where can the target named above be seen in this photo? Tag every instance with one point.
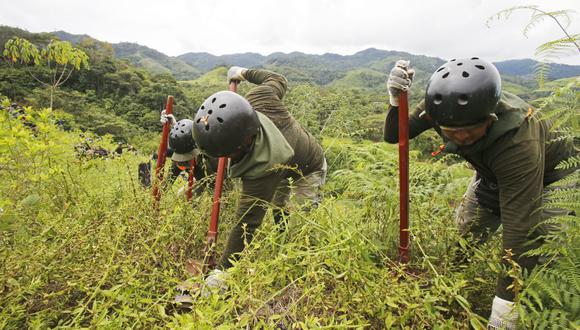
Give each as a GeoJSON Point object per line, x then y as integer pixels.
{"type": "Point", "coordinates": [282, 191]}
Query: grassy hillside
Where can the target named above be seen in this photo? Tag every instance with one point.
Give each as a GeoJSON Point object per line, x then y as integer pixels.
{"type": "Point", "coordinates": [82, 245]}
{"type": "Point", "coordinates": [362, 78]}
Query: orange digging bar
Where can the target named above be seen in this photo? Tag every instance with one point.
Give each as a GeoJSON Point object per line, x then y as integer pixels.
{"type": "Point", "coordinates": [190, 179]}
{"type": "Point", "coordinates": [162, 154]}
{"type": "Point", "coordinates": [215, 211]}
{"type": "Point", "coordinates": [404, 178]}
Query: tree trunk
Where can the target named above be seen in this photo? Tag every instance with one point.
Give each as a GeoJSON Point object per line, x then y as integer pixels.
{"type": "Point", "coordinates": [51, 96]}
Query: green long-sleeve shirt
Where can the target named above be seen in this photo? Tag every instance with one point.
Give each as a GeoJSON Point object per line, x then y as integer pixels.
{"type": "Point", "coordinates": [282, 149]}
{"type": "Point", "coordinates": [519, 154]}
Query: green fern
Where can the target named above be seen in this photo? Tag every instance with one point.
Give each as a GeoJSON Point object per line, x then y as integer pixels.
{"type": "Point", "coordinates": [550, 50]}
{"type": "Point", "coordinates": [571, 162]}
{"type": "Point", "coordinates": [551, 297]}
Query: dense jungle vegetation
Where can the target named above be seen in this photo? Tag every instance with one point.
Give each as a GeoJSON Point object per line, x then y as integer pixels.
{"type": "Point", "coordinates": [82, 246]}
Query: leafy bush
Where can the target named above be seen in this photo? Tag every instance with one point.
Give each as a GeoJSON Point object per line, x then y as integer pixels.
{"type": "Point", "coordinates": [82, 246]}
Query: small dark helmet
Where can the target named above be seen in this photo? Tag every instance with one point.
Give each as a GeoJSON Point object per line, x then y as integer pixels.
{"type": "Point", "coordinates": [463, 92]}
{"type": "Point", "coordinates": [181, 137]}
{"type": "Point", "coordinates": [224, 123]}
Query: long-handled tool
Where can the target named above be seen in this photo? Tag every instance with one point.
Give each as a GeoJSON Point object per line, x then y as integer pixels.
{"type": "Point", "coordinates": [404, 177]}
{"type": "Point", "coordinates": [190, 179]}
{"type": "Point", "coordinates": [162, 154]}
{"type": "Point", "coordinates": [193, 267]}
{"type": "Point", "coordinates": [210, 259]}
{"type": "Point", "coordinates": [162, 157]}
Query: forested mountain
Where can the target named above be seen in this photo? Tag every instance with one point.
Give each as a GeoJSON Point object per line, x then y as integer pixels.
{"type": "Point", "coordinates": [126, 85]}
{"type": "Point", "coordinates": [142, 56]}
{"type": "Point", "coordinates": [320, 69]}
{"type": "Point", "coordinates": [206, 61]}
{"type": "Point", "coordinates": [372, 58]}
{"type": "Point", "coordinates": [526, 67]}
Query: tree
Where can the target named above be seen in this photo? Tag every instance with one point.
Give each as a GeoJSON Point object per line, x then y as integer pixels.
{"type": "Point", "coordinates": [58, 59]}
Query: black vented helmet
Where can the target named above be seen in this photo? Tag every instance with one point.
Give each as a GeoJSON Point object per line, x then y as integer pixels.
{"type": "Point", "coordinates": [223, 123]}
{"type": "Point", "coordinates": [181, 137]}
{"type": "Point", "coordinates": [463, 92]}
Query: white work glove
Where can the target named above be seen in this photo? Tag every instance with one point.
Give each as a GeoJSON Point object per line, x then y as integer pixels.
{"type": "Point", "coordinates": [167, 118]}
{"type": "Point", "coordinates": [503, 315]}
{"type": "Point", "coordinates": [214, 282]}
{"type": "Point", "coordinates": [236, 73]}
{"type": "Point", "coordinates": [400, 80]}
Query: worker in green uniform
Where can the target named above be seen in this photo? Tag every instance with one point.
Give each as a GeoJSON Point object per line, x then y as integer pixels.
{"type": "Point", "coordinates": [268, 149]}
{"type": "Point", "coordinates": [513, 151]}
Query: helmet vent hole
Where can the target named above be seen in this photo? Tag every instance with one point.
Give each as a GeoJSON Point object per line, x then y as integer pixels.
{"type": "Point", "coordinates": [182, 132]}
{"type": "Point", "coordinates": [441, 68]}
{"type": "Point", "coordinates": [220, 119]}
{"type": "Point", "coordinates": [480, 67]}
{"type": "Point", "coordinates": [210, 111]}
{"type": "Point", "coordinates": [463, 99]}
{"type": "Point", "coordinates": [465, 74]}
{"type": "Point", "coordinates": [453, 60]}
{"type": "Point", "coordinates": [459, 64]}
{"type": "Point", "coordinates": [446, 75]}
{"type": "Point", "coordinates": [207, 127]}
{"type": "Point", "coordinates": [475, 58]}
{"type": "Point", "coordinates": [213, 100]}
{"type": "Point", "coordinates": [438, 99]}
{"type": "Point", "coordinates": [202, 107]}
{"type": "Point", "coordinates": [222, 106]}
{"type": "Point", "coordinates": [198, 120]}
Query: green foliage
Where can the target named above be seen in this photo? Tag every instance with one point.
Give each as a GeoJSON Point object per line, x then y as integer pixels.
{"type": "Point", "coordinates": [59, 59]}
{"type": "Point", "coordinates": [83, 247]}
{"type": "Point", "coordinates": [561, 107]}
{"type": "Point", "coordinates": [551, 295]}
{"type": "Point", "coordinates": [113, 97]}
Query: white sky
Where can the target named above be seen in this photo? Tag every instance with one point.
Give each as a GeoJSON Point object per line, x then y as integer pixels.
{"type": "Point", "coordinates": [442, 28]}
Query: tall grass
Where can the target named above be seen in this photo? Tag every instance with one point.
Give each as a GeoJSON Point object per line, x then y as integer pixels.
{"type": "Point", "coordinates": [81, 245]}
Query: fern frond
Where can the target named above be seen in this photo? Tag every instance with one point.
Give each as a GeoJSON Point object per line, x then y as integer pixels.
{"type": "Point", "coordinates": [537, 17]}
{"type": "Point", "coordinates": [506, 13]}
{"type": "Point", "coordinates": [571, 162]}
{"type": "Point", "coordinates": [541, 71]}
{"type": "Point", "coordinates": [557, 47]}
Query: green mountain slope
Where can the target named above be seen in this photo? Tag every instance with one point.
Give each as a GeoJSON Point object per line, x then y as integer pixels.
{"type": "Point", "coordinates": [155, 61]}
{"type": "Point", "coordinates": [362, 79]}
{"type": "Point", "coordinates": [142, 56]}
{"type": "Point", "coordinates": [320, 69]}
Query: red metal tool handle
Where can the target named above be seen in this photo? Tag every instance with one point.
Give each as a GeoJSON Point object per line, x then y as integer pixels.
{"type": "Point", "coordinates": [404, 178]}
{"type": "Point", "coordinates": [190, 179]}
{"type": "Point", "coordinates": [162, 153]}
{"type": "Point", "coordinates": [215, 211]}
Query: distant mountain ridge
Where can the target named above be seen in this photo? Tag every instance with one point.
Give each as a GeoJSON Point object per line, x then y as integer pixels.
{"type": "Point", "coordinates": [154, 60]}
{"type": "Point", "coordinates": [143, 56]}
{"type": "Point", "coordinates": [369, 58]}
{"type": "Point", "coordinates": [322, 69]}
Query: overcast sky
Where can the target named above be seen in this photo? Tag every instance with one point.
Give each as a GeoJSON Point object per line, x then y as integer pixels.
{"type": "Point", "coordinates": [442, 28]}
